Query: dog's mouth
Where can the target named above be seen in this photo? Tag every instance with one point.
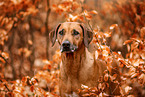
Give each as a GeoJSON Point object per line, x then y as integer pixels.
{"type": "Point", "coordinates": [68, 48]}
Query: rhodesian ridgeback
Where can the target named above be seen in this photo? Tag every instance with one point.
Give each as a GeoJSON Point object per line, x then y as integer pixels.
{"type": "Point", "coordinates": [79, 65]}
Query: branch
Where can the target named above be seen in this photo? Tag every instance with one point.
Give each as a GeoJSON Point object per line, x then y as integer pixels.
{"type": "Point", "coordinates": [32, 56]}
{"type": "Point", "coordinates": [47, 30]}
{"type": "Point", "coordinates": [5, 85]}
{"type": "Point", "coordinates": [95, 35]}
{"type": "Point", "coordinates": [11, 41]}
{"type": "Point", "coordinates": [4, 59]}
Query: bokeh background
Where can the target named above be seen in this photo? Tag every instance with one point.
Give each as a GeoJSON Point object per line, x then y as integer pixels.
{"type": "Point", "coordinates": [26, 53]}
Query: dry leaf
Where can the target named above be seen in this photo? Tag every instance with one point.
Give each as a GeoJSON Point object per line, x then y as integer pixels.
{"type": "Point", "coordinates": [127, 41]}
{"type": "Point", "coordinates": [30, 42]}
{"type": "Point", "coordinates": [113, 26]}
{"type": "Point", "coordinates": [127, 89]}
{"type": "Point", "coordinates": [32, 88]}
{"type": "Point", "coordinates": [93, 12]}
{"type": "Point", "coordinates": [134, 75]}
{"type": "Point", "coordinates": [106, 77]}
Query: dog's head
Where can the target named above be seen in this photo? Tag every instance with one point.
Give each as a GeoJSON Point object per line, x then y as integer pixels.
{"type": "Point", "coordinates": [71, 36]}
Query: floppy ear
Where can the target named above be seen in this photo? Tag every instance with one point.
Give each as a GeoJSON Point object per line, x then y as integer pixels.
{"type": "Point", "coordinates": [87, 34]}
{"type": "Point", "coordinates": [53, 34]}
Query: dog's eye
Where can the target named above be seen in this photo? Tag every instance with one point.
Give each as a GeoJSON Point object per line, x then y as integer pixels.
{"type": "Point", "coordinates": [75, 32]}
{"type": "Point", "coordinates": [61, 32]}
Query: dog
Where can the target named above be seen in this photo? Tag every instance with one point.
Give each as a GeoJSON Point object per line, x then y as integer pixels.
{"type": "Point", "coordinates": [79, 65]}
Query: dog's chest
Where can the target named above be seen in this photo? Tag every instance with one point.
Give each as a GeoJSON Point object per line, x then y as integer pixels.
{"type": "Point", "coordinates": [87, 70]}
{"type": "Point", "coordinates": [79, 67]}
{"type": "Point", "coordinates": [71, 64]}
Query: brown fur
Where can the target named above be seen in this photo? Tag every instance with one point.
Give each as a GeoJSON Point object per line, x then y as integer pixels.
{"type": "Point", "coordinates": [79, 67]}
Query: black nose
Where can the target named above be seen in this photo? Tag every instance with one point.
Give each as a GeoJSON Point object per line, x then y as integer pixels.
{"type": "Point", "coordinates": [66, 44]}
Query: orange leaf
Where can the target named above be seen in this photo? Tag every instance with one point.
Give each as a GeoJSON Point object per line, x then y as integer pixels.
{"type": "Point", "coordinates": [128, 48]}
{"type": "Point", "coordinates": [99, 86]}
{"type": "Point", "coordinates": [89, 17]}
{"type": "Point", "coordinates": [142, 34]}
{"type": "Point", "coordinates": [121, 65]}
{"type": "Point", "coordinates": [115, 76]}
{"type": "Point", "coordinates": [107, 34]}
{"type": "Point", "coordinates": [127, 89]}
{"type": "Point", "coordinates": [93, 12]}
{"type": "Point", "coordinates": [30, 42]}
{"type": "Point", "coordinates": [113, 26]}
{"type": "Point", "coordinates": [134, 75]}
{"type": "Point", "coordinates": [84, 86]}
{"type": "Point", "coordinates": [86, 95]}
{"type": "Point", "coordinates": [94, 89]}
{"type": "Point", "coordinates": [5, 55]}
{"type": "Point", "coordinates": [127, 41]}
{"type": "Point", "coordinates": [2, 60]}
{"type": "Point", "coordinates": [9, 25]}
{"type": "Point", "coordinates": [106, 77]}
{"type": "Point", "coordinates": [13, 82]}
{"type": "Point", "coordinates": [32, 88]}
{"type": "Point", "coordinates": [72, 18]}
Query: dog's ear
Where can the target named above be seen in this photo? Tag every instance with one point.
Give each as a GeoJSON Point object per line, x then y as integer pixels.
{"type": "Point", "coordinates": [53, 34]}
{"type": "Point", "coordinates": [87, 34]}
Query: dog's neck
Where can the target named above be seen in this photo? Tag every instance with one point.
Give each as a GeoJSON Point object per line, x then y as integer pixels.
{"type": "Point", "coordinates": [73, 61]}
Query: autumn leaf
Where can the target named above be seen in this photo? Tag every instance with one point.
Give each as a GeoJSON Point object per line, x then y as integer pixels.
{"type": "Point", "coordinates": [5, 55]}
{"type": "Point", "coordinates": [106, 76]}
{"type": "Point", "coordinates": [72, 18]}
{"type": "Point", "coordinates": [127, 41]}
{"type": "Point", "coordinates": [107, 34]}
{"type": "Point", "coordinates": [32, 88]}
{"type": "Point", "coordinates": [84, 86]}
{"type": "Point", "coordinates": [86, 95]}
{"type": "Point", "coordinates": [142, 77]}
{"type": "Point", "coordinates": [113, 77]}
{"type": "Point", "coordinates": [94, 90]}
{"type": "Point", "coordinates": [93, 12]}
{"type": "Point", "coordinates": [121, 65]}
{"type": "Point", "coordinates": [87, 15]}
{"type": "Point", "coordinates": [142, 34]}
{"type": "Point", "coordinates": [30, 42]}
{"type": "Point", "coordinates": [113, 26]}
{"type": "Point", "coordinates": [137, 62]}
{"type": "Point", "coordinates": [9, 25]}
{"type": "Point", "coordinates": [127, 89]}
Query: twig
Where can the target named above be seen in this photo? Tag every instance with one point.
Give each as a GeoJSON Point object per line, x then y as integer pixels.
{"type": "Point", "coordinates": [32, 56]}
{"type": "Point", "coordinates": [95, 36]}
{"type": "Point", "coordinates": [4, 90]}
{"type": "Point", "coordinates": [22, 45]}
{"type": "Point", "coordinates": [11, 41]}
{"type": "Point", "coordinates": [21, 64]}
{"type": "Point", "coordinates": [47, 30]}
{"type": "Point", "coordinates": [5, 86]}
{"type": "Point", "coordinates": [1, 47]}
{"type": "Point", "coordinates": [106, 61]}
{"type": "Point", "coordinates": [4, 59]}
{"type": "Point", "coordinates": [116, 88]}
{"type": "Point", "coordinates": [99, 43]}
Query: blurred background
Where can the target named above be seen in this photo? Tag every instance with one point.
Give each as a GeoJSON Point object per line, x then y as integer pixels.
{"type": "Point", "coordinates": [25, 46]}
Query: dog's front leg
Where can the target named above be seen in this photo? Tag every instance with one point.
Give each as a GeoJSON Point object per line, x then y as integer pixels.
{"type": "Point", "coordinates": [72, 87]}
{"type": "Point", "coordinates": [63, 83]}
{"type": "Point", "coordinates": [63, 87]}
{"type": "Point", "coordinates": [68, 88]}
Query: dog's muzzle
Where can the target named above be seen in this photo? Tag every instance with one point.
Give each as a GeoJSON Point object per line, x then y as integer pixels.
{"type": "Point", "coordinates": [67, 47]}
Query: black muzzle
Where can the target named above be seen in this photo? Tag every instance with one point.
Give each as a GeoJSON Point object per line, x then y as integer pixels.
{"type": "Point", "coordinates": [67, 47]}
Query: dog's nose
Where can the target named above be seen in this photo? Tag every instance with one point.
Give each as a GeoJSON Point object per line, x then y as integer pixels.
{"type": "Point", "coordinates": [66, 44]}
